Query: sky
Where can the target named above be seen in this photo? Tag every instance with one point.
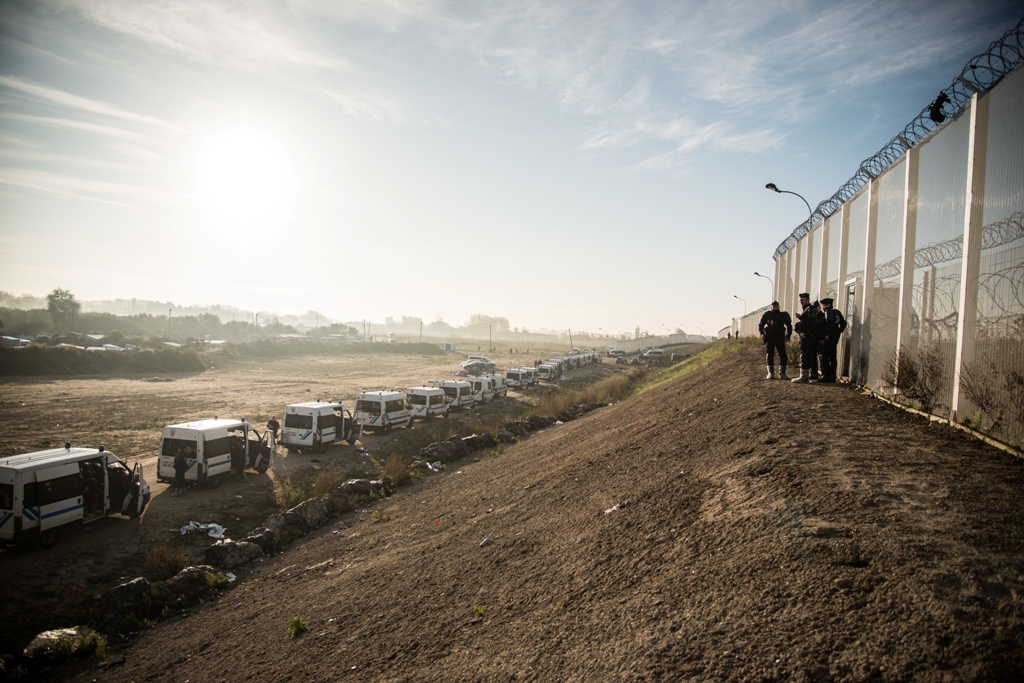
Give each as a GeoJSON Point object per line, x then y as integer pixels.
{"type": "Point", "coordinates": [592, 166]}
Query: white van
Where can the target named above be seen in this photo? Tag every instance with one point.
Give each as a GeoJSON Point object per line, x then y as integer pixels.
{"type": "Point", "coordinates": [547, 372]}
{"type": "Point", "coordinates": [381, 410]}
{"type": "Point", "coordinates": [315, 425]}
{"type": "Point", "coordinates": [516, 377]}
{"type": "Point", "coordinates": [43, 491]}
{"type": "Point", "coordinates": [483, 389]}
{"type": "Point", "coordinates": [458, 392]}
{"type": "Point", "coordinates": [427, 402]}
{"type": "Point", "coordinates": [500, 387]}
{"type": "Point", "coordinates": [532, 376]}
{"type": "Point", "coordinates": [213, 448]}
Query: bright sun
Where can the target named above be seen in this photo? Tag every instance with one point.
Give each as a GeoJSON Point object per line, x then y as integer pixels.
{"type": "Point", "coordinates": [245, 177]}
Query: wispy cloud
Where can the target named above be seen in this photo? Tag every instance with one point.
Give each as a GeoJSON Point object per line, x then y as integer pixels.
{"type": "Point", "coordinates": [71, 124]}
{"type": "Point", "coordinates": [37, 157]}
{"type": "Point", "coordinates": [80, 188]}
{"type": "Point", "coordinates": [68, 100]}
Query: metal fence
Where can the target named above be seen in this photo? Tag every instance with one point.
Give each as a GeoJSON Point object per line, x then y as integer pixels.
{"type": "Point", "coordinates": [632, 345]}
{"type": "Point", "coordinates": [923, 252]}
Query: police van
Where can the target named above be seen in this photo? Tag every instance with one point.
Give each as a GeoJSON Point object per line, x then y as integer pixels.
{"type": "Point", "coordinates": [483, 389]}
{"type": "Point", "coordinates": [516, 377]}
{"type": "Point", "coordinates": [498, 381]}
{"type": "Point", "coordinates": [531, 376]}
{"type": "Point", "coordinates": [547, 372]}
{"type": "Point", "coordinates": [427, 402]}
{"type": "Point", "coordinates": [43, 491]}
{"type": "Point", "coordinates": [381, 410]}
{"type": "Point", "coordinates": [458, 392]}
{"type": "Point", "coordinates": [212, 448]}
{"type": "Point", "coordinates": [316, 424]}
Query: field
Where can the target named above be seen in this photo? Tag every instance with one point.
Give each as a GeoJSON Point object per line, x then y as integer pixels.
{"type": "Point", "coordinates": [127, 413]}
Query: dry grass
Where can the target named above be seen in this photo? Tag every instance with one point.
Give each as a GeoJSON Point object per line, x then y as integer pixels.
{"type": "Point", "coordinates": [605, 391]}
{"type": "Point", "coordinates": [163, 561]}
{"type": "Point", "coordinates": [288, 496]}
{"type": "Point", "coordinates": [328, 481]}
{"type": "Point", "coordinates": [396, 470]}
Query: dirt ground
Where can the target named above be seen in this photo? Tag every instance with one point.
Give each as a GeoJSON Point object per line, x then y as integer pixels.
{"type": "Point", "coordinates": [44, 589]}
{"type": "Point", "coordinates": [719, 527]}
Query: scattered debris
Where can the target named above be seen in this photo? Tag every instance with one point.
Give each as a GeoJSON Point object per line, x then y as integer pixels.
{"type": "Point", "coordinates": [485, 542]}
{"type": "Point", "coordinates": [212, 529]}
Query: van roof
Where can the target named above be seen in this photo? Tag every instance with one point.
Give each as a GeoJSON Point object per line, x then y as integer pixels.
{"type": "Point", "coordinates": [315, 404]}
{"type": "Point", "coordinates": [383, 393]}
{"type": "Point", "coordinates": [206, 425]}
{"type": "Point", "coordinates": [424, 390]}
{"type": "Point", "coordinates": [31, 461]}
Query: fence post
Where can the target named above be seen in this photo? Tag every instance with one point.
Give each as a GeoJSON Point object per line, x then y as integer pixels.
{"type": "Point", "coordinates": [974, 206]}
{"type": "Point", "coordinates": [844, 257]}
{"type": "Point", "coordinates": [807, 265]}
{"type": "Point", "coordinates": [904, 324]}
{"type": "Point", "coordinates": [859, 371]}
{"type": "Point", "coordinates": [823, 257]}
{"type": "Point", "coordinates": [797, 281]}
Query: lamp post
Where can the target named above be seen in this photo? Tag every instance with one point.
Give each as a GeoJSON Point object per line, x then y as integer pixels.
{"type": "Point", "coordinates": [770, 281]}
{"type": "Point", "coordinates": [774, 188]}
{"type": "Point", "coordinates": [744, 303]}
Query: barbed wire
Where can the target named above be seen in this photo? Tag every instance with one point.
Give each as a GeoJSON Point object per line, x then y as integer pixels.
{"type": "Point", "coordinates": [981, 73]}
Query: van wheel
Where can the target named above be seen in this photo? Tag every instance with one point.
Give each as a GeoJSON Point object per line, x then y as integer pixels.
{"type": "Point", "coordinates": [213, 483]}
{"type": "Point", "coordinates": [47, 539]}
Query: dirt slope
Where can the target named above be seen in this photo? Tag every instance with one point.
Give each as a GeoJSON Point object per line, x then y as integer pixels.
{"type": "Point", "coordinates": [765, 531]}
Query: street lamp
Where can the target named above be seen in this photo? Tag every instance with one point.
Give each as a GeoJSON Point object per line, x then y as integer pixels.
{"type": "Point", "coordinates": [774, 188]}
{"type": "Point", "coordinates": [770, 281]}
{"type": "Point", "coordinates": [744, 303]}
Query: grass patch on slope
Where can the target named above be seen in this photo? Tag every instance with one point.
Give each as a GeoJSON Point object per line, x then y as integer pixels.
{"type": "Point", "coordinates": [713, 352]}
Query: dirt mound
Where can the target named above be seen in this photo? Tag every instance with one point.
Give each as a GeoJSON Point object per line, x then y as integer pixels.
{"type": "Point", "coordinates": [720, 527]}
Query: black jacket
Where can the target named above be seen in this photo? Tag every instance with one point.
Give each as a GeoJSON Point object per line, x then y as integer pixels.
{"type": "Point", "coordinates": [807, 323]}
{"type": "Point", "coordinates": [775, 325]}
{"type": "Point", "coordinates": [832, 324]}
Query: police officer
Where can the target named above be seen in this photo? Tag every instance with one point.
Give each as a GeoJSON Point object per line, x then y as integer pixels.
{"type": "Point", "coordinates": [832, 326]}
{"type": "Point", "coordinates": [180, 467]}
{"type": "Point", "coordinates": [819, 319]}
{"type": "Point", "coordinates": [807, 326]}
{"type": "Point", "coordinates": [775, 328]}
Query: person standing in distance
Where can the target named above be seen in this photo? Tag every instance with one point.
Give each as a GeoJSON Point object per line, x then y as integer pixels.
{"type": "Point", "coordinates": [832, 326]}
{"type": "Point", "coordinates": [775, 328]}
{"type": "Point", "coordinates": [180, 467]}
{"type": "Point", "coordinates": [806, 326]}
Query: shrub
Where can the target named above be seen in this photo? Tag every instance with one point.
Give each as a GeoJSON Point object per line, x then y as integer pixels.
{"type": "Point", "coordinates": [162, 562]}
{"type": "Point", "coordinates": [65, 648]}
{"type": "Point", "coordinates": [288, 496]}
{"type": "Point", "coordinates": [297, 626]}
{"type": "Point", "coordinates": [396, 470]}
{"type": "Point", "coordinates": [328, 480]}
{"type": "Point", "coordinates": [216, 580]}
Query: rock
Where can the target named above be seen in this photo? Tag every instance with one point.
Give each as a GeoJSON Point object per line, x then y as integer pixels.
{"type": "Point", "coordinates": [128, 599]}
{"type": "Point", "coordinates": [189, 585]}
{"type": "Point", "coordinates": [266, 539]}
{"type": "Point", "coordinates": [338, 502]}
{"type": "Point", "coordinates": [231, 554]}
{"type": "Point", "coordinates": [288, 526]}
{"type": "Point", "coordinates": [519, 428]}
{"type": "Point", "coordinates": [313, 512]}
{"type": "Point", "coordinates": [843, 583]}
{"type": "Point", "coordinates": [41, 644]}
{"type": "Point", "coordinates": [362, 487]}
{"type": "Point", "coordinates": [506, 437]}
{"type": "Point", "coordinates": [451, 449]}
{"type": "Point", "coordinates": [478, 441]}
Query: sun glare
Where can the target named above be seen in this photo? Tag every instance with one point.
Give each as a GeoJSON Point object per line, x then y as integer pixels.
{"type": "Point", "coordinates": [245, 176]}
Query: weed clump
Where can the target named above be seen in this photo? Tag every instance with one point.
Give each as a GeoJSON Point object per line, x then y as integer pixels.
{"type": "Point", "coordinates": [297, 626]}
{"type": "Point", "coordinates": [216, 580]}
{"type": "Point", "coordinates": [163, 561]}
{"type": "Point", "coordinates": [288, 496]}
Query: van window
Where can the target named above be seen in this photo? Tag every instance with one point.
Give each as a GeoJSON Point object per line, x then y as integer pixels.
{"type": "Point", "coordinates": [371, 407]}
{"type": "Point", "coordinates": [436, 400]}
{"type": "Point", "coordinates": [451, 391]}
{"type": "Point", "coordinates": [171, 447]}
{"type": "Point", "coordinates": [325, 422]}
{"type": "Point", "coordinates": [395, 406]}
{"type": "Point", "coordinates": [293, 421]}
{"type": "Point", "coordinates": [6, 496]}
{"type": "Point", "coordinates": [215, 447]}
{"type": "Point", "coordinates": [42, 493]}
{"type": "Point", "coordinates": [418, 400]}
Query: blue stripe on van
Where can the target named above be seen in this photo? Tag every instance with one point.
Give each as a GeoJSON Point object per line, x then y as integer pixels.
{"type": "Point", "coordinates": [31, 513]}
{"type": "Point", "coordinates": [306, 435]}
{"type": "Point", "coordinates": [6, 518]}
{"type": "Point", "coordinates": [61, 512]}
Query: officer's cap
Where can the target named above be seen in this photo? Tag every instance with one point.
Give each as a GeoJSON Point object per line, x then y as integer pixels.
{"type": "Point", "coordinates": [805, 295]}
{"type": "Point", "coordinates": [775, 303]}
{"type": "Point", "coordinates": [826, 300]}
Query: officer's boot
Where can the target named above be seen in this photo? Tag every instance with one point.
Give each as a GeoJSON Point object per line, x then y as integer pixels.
{"type": "Point", "coordinates": [771, 372]}
{"type": "Point", "coordinates": [803, 378]}
{"type": "Point", "coordinates": [782, 372]}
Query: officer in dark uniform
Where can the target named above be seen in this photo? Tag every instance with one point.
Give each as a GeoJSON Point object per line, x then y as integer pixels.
{"type": "Point", "coordinates": [832, 326]}
{"type": "Point", "coordinates": [818, 319]}
{"type": "Point", "coordinates": [775, 328]}
{"type": "Point", "coordinates": [807, 327]}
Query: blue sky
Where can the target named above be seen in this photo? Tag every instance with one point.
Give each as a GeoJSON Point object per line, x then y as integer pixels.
{"type": "Point", "coordinates": [585, 165]}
